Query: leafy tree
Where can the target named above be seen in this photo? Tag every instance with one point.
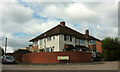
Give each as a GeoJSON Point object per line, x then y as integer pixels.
{"type": "Point", "coordinates": [111, 48]}
{"type": "Point", "coordinates": [110, 43]}
{"type": "Point", "coordinates": [2, 51]}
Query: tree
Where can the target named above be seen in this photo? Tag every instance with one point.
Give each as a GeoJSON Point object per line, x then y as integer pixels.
{"type": "Point", "coordinates": [111, 48]}
{"type": "Point", "coordinates": [110, 43]}
{"type": "Point", "coordinates": [1, 51]}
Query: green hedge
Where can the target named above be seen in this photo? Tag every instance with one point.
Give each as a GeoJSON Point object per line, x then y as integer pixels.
{"type": "Point", "coordinates": [110, 55]}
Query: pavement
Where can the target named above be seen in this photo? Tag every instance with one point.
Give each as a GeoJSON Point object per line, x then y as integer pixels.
{"type": "Point", "coordinates": [109, 65]}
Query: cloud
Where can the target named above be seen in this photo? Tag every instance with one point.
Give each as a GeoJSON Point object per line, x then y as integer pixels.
{"type": "Point", "coordinates": [22, 21]}
{"type": "Point", "coordinates": [76, 12]}
{"type": "Point", "coordinates": [16, 13]}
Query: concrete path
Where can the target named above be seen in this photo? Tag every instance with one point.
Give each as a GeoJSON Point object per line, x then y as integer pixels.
{"type": "Point", "coordinates": [113, 65]}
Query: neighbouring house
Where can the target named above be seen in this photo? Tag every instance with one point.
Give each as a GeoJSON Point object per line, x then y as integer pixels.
{"type": "Point", "coordinates": [63, 38]}
{"type": "Point", "coordinates": [22, 51]}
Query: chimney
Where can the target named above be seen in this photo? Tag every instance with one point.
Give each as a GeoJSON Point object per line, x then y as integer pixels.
{"type": "Point", "coordinates": [87, 32]}
{"type": "Point", "coordinates": [62, 23]}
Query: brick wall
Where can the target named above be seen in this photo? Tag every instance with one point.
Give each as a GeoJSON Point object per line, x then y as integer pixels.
{"type": "Point", "coordinates": [51, 57]}
{"type": "Point", "coordinates": [98, 46]}
{"type": "Point", "coordinates": [92, 47]}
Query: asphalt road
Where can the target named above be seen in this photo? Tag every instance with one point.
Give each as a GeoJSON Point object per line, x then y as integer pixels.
{"type": "Point", "coordinates": [113, 65]}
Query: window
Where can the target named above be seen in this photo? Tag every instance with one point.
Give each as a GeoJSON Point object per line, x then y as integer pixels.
{"type": "Point", "coordinates": [40, 42]}
{"type": "Point", "coordinates": [49, 39]}
{"type": "Point", "coordinates": [92, 42]}
{"type": "Point", "coordinates": [53, 37]}
{"type": "Point", "coordinates": [35, 43]}
{"type": "Point", "coordinates": [70, 38]}
{"type": "Point", "coordinates": [82, 41]}
{"type": "Point", "coordinates": [48, 50]}
{"type": "Point", "coordinates": [76, 40]}
{"type": "Point", "coordinates": [67, 38]}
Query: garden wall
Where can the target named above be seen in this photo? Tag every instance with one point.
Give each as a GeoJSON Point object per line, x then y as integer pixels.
{"type": "Point", "coordinates": [51, 57]}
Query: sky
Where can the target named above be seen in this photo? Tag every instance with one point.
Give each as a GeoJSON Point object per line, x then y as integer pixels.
{"type": "Point", "coordinates": [22, 21]}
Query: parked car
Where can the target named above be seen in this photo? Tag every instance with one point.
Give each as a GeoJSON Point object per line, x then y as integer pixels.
{"type": "Point", "coordinates": [8, 59]}
{"type": "Point", "coordinates": [95, 56]}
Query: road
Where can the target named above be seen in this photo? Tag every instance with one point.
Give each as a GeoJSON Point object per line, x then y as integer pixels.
{"type": "Point", "coordinates": [113, 65]}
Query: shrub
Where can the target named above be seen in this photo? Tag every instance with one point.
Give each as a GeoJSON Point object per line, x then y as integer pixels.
{"type": "Point", "coordinates": [110, 55]}
{"type": "Point", "coordinates": [42, 50]}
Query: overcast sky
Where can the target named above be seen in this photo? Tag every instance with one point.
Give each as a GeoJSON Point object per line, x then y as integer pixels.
{"type": "Point", "coordinates": [21, 21]}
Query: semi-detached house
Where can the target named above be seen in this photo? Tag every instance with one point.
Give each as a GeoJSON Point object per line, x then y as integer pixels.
{"type": "Point", "coordinates": [63, 38]}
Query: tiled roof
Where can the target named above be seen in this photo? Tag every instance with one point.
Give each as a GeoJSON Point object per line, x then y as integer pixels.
{"type": "Point", "coordinates": [63, 30]}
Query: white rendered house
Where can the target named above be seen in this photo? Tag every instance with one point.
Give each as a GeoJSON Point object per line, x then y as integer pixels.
{"type": "Point", "coordinates": [63, 38]}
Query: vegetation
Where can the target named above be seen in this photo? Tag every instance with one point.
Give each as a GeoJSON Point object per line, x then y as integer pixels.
{"type": "Point", "coordinates": [41, 50]}
{"type": "Point", "coordinates": [1, 51]}
{"type": "Point", "coordinates": [111, 48]}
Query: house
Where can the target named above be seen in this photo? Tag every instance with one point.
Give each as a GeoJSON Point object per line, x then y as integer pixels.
{"type": "Point", "coordinates": [63, 38]}
{"type": "Point", "coordinates": [22, 51]}
{"type": "Point", "coordinates": [98, 46]}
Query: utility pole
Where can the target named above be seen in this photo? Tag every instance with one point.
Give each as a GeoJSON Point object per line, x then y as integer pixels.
{"type": "Point", "coordinates": [5, 45]}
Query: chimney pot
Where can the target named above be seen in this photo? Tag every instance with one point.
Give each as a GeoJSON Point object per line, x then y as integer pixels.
{"type": "Point", "coordinates": [87, 32]}
{"type": "Point", "coordinates": [62, 23]}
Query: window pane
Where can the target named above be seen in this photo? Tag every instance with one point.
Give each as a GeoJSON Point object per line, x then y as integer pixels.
{"type": "Point", "coordinates": [35, 43]}
{"type": "Point", "coordinates": [65, 37]}
{"type": "Point", "coordinates": [82, 41]}
{"type": "Point", "coordinates": [92, 42]}
{"type": "Point", "coordinates": [70, 38]}
{"type": "Point", "coordinates": [49, 38]}
{"type": "Point", "coordinates": [53, 37]}
{"type": "Point", "coordinates": [76, 40]}
{"type": "Point", "coordinates": [40, 42]}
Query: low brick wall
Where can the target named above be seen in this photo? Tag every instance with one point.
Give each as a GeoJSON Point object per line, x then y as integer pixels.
{"type": "Point", "coordinates": [51, 57]}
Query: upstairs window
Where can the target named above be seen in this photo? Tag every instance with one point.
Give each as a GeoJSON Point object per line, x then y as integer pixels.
{"type": "Point", "coordinates": [41, 42]}
{"type": "Point", "coordinates": [35, 43]}
{"type": "Point", "coordinates": [67, 38]}
{"type": "Point", "coordinates": [49, 39]}
{"type": "Point", "coordinates": [70, 38]}
{"type": "Point", "coordinates": [64, 37]}
{"type": "Point", "coordinates": [92, 42]}
{"type": "Point", "coordinates": [53, 37]}
{"type": "Point", "coordinates": [82, 41]}
{"type": "Point", "coordinates": [76, 40]}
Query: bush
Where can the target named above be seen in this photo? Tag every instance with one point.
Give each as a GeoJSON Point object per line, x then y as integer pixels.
{"type": "Point", "coordinates": [42, 50]}
{"type": "Point", "coordinates": [110, 55]}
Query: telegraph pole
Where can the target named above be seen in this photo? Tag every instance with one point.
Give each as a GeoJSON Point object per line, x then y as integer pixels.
{"type": "Point", "coordinates": [5, 45]}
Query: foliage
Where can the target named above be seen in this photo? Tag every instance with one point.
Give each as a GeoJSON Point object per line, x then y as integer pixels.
{"type": "Point", "coordinates": [1, 49]}
{"type": "Point", "coordinates": [111, 48]}
{"type": "Point", "coordinates": [42, 50]}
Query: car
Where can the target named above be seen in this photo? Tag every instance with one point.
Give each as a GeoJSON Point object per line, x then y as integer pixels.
{"type": "Point", "coordinates": [8, 59]}
{"type": "Point", "coordinates": [95, 56]}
